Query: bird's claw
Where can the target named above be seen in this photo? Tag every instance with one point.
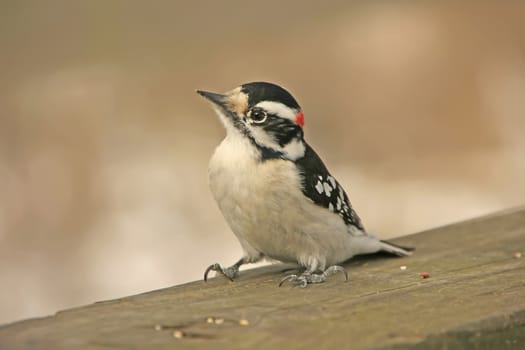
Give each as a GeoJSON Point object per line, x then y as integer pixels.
{"type": "Point", "coordinates": [296, 280]}
{"type": "Point", "coordinates": [229, 272]}
{"type": "Point", "coordinates": [308, 277]}
{"type": "Point", "coordinates": [334, 269]}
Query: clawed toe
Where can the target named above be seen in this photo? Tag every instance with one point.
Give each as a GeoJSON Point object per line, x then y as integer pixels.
{"type": "Point", "coordinates": [296, 280]}
{"type": "Point", "coordinates": [308, 277]}
{"type": "Point", "coordinates": [287, 278]}
{"type": "Point", "coordinates": [213, 267]}
{"type": "Point", "coordinates": [219, 269]}
{"type": "Point", "coordinates": [334, 269]}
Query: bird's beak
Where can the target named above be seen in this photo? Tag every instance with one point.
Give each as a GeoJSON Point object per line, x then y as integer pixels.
{"type": "Point", "coordinates": [233, 104]}
{"type": "Point", "coordinates": [217, 99]}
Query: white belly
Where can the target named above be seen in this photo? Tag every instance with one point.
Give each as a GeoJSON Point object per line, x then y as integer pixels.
{"type": "Point", "coordinates": [269, 214]}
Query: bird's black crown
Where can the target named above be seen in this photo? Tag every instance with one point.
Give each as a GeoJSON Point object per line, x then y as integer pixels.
{"type": "Point", "coordinates": [262, 91]}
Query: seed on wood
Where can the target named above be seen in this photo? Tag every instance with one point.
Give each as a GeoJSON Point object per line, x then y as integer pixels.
{"type": "Point", "coordinates": [178, 334]}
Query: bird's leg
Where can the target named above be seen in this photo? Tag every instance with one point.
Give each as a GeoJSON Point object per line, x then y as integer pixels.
{"type": "Point", "coordinates": [308, 276]}
{"type": "Point", "coordinates": [229, 272]}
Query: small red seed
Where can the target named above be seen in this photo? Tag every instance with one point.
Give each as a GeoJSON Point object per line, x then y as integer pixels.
{"type": "Point", "coordinates": [424, 274]}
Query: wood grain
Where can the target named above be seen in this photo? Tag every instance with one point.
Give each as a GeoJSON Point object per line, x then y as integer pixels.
{"type": "Point", "coordinates": [475, 296]}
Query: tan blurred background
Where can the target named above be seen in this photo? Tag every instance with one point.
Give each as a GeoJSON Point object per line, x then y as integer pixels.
{"type": "Point", "coordinates": [418, 108]}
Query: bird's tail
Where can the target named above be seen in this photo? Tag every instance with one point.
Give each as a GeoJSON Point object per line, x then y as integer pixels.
{"type": "Point", "coordinates": [396, 249]}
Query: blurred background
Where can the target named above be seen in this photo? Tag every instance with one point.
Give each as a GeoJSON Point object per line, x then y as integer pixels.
{"type": "Point", "coordinates": [418, 108]}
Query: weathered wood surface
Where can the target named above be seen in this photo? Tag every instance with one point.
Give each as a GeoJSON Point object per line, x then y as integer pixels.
{"type": "Point", "coordinates": [475, 297]}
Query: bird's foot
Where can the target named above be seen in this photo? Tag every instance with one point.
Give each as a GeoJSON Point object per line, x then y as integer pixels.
{"type": "Point", "coordinates": [308, 277]}
{"type": "Point", "coordinates": [229, 272]}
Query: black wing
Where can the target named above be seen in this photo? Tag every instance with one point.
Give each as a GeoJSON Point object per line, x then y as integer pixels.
{"type": "Point", "coordinates": [324, 190]}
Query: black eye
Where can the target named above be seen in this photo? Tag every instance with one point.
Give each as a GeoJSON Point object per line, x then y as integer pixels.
{"type": "Point", "coordinates": [257, 115]}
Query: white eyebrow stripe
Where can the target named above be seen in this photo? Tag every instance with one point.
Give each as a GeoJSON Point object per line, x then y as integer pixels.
{"type": "Point", "coordinates": [278, 108]}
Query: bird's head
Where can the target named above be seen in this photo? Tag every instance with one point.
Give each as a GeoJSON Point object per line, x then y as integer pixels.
{"type": "Point", "coordinates": [264, 113]}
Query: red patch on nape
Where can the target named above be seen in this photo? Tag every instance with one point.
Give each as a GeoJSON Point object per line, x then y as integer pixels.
{"type": "Point", "coordinates": [299, 118]}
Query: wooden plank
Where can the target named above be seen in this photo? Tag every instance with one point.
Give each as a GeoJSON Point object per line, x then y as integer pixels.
{"type": "Point", "coordinates": [475, 295]}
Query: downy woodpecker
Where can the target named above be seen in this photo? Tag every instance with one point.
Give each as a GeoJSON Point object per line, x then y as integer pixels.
{"type": "Point", "coordinates": [276, 193]}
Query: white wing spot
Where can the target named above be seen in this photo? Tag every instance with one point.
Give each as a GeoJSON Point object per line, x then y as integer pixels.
{"type": "Point", "coordinates": [319, 187]}
{"type": "Point", "coordinates": [338, 203]}
{"type": "Point", "coordinates": [332, 181]}
{"type": "Point", "coordinates": [331, 207]}
{"type": "Point", "coordinates": [327, 188]}
{"type": "Point", "coordinates": [320, 177]}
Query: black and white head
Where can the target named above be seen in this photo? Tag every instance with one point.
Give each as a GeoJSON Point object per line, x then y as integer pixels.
{"type": "Point", "coordinates": [264, 113]}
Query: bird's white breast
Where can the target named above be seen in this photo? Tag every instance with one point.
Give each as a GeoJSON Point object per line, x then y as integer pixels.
{"type": "Point", "coordinates": [266, 209]}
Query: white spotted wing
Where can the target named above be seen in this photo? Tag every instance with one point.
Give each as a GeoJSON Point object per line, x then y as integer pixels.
{"type": "Point", "coordinates": [324, 190]}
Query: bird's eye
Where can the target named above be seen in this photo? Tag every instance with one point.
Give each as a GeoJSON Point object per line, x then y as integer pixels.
{"type": "Point", "coordinates": [257, 115]}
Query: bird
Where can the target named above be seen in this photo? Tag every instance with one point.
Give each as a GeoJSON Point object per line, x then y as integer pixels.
{"type": "Point", "coordinates": [275, 192]}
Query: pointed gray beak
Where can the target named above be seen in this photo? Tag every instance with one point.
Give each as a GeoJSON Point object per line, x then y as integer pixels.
{"type": "Point", "coordinates": [218, 99]}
